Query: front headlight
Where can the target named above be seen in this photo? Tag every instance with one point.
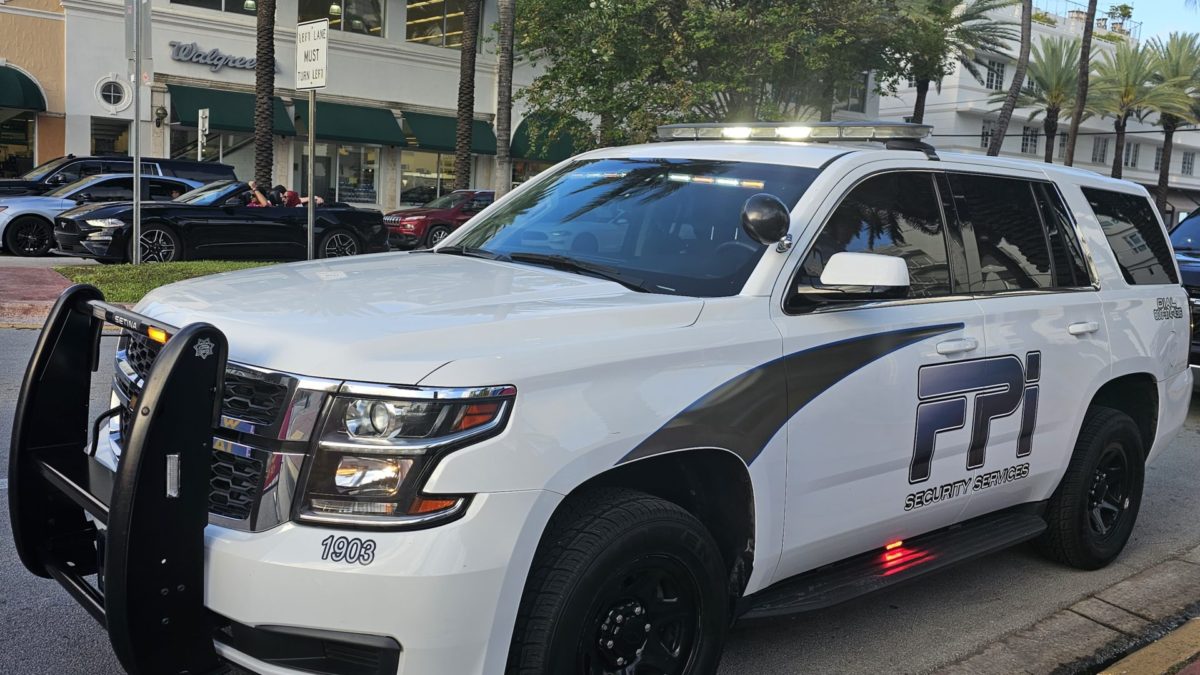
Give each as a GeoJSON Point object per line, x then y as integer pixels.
{"type": "Point", "coordinates": [109, 223]}
{"type": "Point", "coordinates": [379, 444]}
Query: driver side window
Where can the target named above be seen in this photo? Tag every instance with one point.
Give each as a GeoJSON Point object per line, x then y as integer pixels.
{"type": "Point", "coordinates": [896, 214]}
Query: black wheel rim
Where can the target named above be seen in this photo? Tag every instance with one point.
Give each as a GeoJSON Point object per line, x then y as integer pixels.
{"type": "Point", "coordinates": [1108, 499]}
{"type": "Point", "coordinates": [645, 621]}
{"type": "Point", "coordinates": [157, 246]}
{"type": "Point", "coordinates": [29, 237]}
{"type": "Point", "coordinates": [339, 244]}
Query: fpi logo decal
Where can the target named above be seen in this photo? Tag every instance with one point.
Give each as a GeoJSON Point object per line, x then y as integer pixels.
{"type": "Point", "coordinates": [1000, 385]}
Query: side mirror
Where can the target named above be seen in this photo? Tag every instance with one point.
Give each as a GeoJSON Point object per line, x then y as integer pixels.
{"type": "Point", "coordinates": [84, 197]}
{"type": "Point", "coordinates": [56, 179]}
{"type": "Point", "coordinates": [766, 218]}
{"type": "Point", "coordinates": [234, 201]}
{"type": "Point", "coordinates": [858, 277]}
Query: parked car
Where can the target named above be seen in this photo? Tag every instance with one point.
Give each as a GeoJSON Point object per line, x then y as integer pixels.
{"type": "Point", "coordinates": [214, 221]}
{"type": "Point", "coordinates": [664, 387]}
{"type": "Point", "coordinates": [64, 170]}
{"type": "Point", "coordinates": [429, 224]}
{"type": "Point", "coordinates": [27, 221]}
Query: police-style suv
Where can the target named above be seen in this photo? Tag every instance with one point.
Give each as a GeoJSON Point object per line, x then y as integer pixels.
{"type": "Point", "coordinates": [753, 371]}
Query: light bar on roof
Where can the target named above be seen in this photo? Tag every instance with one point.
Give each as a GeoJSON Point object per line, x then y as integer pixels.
{"type": "Point", "coordinates": [791, 131]}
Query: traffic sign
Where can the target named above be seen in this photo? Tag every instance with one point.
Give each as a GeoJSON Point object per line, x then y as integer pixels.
{"type": "Point", "coordinates": [311, 43]}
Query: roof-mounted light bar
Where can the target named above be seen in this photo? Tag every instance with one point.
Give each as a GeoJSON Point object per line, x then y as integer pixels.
{"type": "Point", "coordinates": [791, 131]}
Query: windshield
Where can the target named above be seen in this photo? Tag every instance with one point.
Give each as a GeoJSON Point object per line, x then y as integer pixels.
{"type": "Point", "coordinates": [1186, 235]}
{"type": "Point", "coordinates": [207, 195]}
{"type": "Point", "coordinates": [66, 190]}
{"type": "Point", "coordinates": [447, 201]}
{"type": "Point", "coordinates": [674, 224]}
{"type": "Point", "coordinates": [39, 172]}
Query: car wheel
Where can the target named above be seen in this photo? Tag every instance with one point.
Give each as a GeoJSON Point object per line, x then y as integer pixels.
{"type": "Point", "coordinates": [160, 244]}
{"type": "Point", "coordinates": [623, 582]}
{"type": "Point", "coordinates": [28, 236]}
{"type": "Point", "coordinates": [436, 234]}
{"type": "Point", "coordinates": [336, 244]}
{"type": "Point", "coordinates": [1092, 512]}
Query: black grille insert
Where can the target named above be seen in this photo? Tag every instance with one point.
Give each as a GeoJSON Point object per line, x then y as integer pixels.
{"type": "Point", "coordinates": [234, 484]}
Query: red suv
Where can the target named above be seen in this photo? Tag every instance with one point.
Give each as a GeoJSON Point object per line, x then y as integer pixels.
{"type": "Point", "coordinates": [429, 224]}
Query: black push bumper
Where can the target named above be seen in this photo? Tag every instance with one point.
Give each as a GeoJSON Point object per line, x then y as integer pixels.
{"type": "Point", "coordinates": [154, 508]}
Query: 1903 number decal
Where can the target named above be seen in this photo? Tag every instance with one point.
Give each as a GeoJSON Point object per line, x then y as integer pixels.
{"type": "Point", "coordinates": [350, 550]}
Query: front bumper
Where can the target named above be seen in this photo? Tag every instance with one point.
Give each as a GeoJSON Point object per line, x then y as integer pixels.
{"type": "Point", "coordinates": [403, 239]}
{"type": "Point", "coordinates": [76, 244]}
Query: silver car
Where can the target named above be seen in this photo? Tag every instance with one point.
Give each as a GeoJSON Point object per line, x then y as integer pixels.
{"type": "Point", "coordinates": [27, 221]}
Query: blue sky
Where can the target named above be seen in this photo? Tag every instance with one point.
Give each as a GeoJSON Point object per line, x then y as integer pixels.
{"type": "Point", "coordinates": [1160, 17]}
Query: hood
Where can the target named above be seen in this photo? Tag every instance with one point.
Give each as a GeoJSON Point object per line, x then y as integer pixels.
{"type": "Point", "coordinates": [114, 209]}
{"type": "Point", "coordinates": [16, 186]}
{"type": "Point", "coordinates": [1189, 268]}
{"type": "Point", "coordinates": [396, 317]}
{"type": "Point", "coordinates": [37, 202]}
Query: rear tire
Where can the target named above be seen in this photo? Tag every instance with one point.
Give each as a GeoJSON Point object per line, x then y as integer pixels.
{"type": "Point", "coordinates": [29, 237]}
{"type": "Point", "coordinates": [1093, 510]}
{"type": "Point", "coordinates": [337, 244]}
{"type": "Point", "coordinates": [622, 582]}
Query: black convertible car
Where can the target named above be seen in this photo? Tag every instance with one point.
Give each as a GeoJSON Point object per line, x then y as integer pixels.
{"type": "Point", "coordinates": [214, 222]}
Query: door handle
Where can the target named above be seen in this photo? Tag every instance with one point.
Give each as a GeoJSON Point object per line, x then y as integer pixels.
{"type": "Point", "coordinates": [957, 346]}
{"type": "Point", "coordinates": [1083, 328]}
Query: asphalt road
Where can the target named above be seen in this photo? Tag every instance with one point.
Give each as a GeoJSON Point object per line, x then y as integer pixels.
{"type": "Point", "coordinates": [914, 628]}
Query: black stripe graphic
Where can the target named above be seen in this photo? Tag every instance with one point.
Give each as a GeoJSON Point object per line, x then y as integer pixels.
{"type": "Point", "coordinates": [744, 413]}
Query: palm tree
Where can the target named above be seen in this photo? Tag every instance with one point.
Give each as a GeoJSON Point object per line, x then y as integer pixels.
{"type": "Point", "coordinates": [264, 93]}
{"type": "Point", "coordinates": [1053, 70]}
{"type": "Point", "coordinates": [504, 88]}
{"type": "Point", "coordinates": [1081, 82]}
{"type": "Point", "coordinates": [1126, 87]}
{"type": "Point", "coordinates": [941, 32]}
{"type": "Point", "coordinates": [466, 94]}
{"type": "Point", "coordinates": [1177, 58]}
{"type": "Point", "coordinates": [1014, 90]}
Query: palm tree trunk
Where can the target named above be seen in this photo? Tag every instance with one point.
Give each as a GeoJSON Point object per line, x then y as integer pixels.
{"type": "Point", "coordinates": [1169, 123]}
{"type": "Point", "coordinates": [1085, 68]}
{"type": "Point", "coordinates": [1010, 101]}
{"type": "Point", "coordinates": [466, 95]}
{"type": "Point", "coordinates": [1119, 155]}
{"type": "Point", "coordinates": [1050, 127]}
{"type": "Point", "coordinates": [264, 94]}
{"type": "Point", "coordinates": [918, 116]}
{"type": "Point", "coordinates": [504, 87]}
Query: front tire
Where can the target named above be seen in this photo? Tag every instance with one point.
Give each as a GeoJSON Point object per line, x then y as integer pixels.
{"type": "Point", "coordinates": [1093, 510]}
{"type": "Point", "coordinates": [626, 583]}
{"type": "Point", "coordinates": [29, 237]}
{"type": "Point", "coordinates": [159, 244]}
{"type": "Point", "coordinates": [436, 234]}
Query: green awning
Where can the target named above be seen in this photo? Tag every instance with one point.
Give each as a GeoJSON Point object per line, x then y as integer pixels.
{"type": "Point", "coordinates": [532, 139]}
{"type": "Point", "coordinates": [436, 132]}
{"type": "Point", "coordinates": [18, 90]}
{"type": "Point", "coordinates": [227, 110]}
{"type": "Point", "coordinates": [351, 123]}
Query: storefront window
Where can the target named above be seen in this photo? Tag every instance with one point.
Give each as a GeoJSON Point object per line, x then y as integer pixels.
{"type": "Point", "coordinates": [418, 177]}
{"type": "Point", "coordinates": [109, 136]}
{"type": "Point", "coordinates": [355, 16]}
{"type": "Point", "coordinates": [358, 173]}
{"type": "Point", "coordinates": [236, 6]}
{"type": "Point", "coordinates": [323, 185]}
{"type": "Point", "coordinates": [435, 22]}
{"type": "Point", "coordinates": [16, 144]}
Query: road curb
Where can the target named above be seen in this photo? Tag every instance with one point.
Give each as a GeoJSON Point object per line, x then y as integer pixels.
{"type": "Point", "coordinates": [1163, 656]}
{"type": "Point", "coordinates": [1138, 612]}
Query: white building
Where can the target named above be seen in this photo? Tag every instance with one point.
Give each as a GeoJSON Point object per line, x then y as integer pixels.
{"type": "Point", "coordinates": [385, 122]}
{"type": "Point", "coordinates": [963, 116]}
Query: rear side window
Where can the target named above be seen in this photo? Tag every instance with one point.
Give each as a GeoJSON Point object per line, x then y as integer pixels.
{"type": "Point", "coordinates": [1013, 247]}
{"type": "Point", "coordinates": [894, 214]}
{"type": "Point", "coordinates": [1070, 269]}
{"type": "Point", "coordinates": [1134, 235]}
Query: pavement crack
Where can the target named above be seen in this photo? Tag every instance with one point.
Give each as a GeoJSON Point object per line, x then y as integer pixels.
{"type": "Point", "coordinates": [1099, 622]}
{"type": "Point", "coordinates": [1127, 611]}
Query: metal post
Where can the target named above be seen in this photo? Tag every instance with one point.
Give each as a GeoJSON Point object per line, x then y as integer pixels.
{"type": "Point", "coordinates": [136, 136]}
{"type": "Point", "coordinates": [312, 165]}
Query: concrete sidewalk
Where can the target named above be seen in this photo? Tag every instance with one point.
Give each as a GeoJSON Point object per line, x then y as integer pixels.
{"type": "Point", "coordinates": [1147, 613]}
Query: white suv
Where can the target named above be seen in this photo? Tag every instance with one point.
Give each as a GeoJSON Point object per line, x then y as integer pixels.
{"type": "Point", "coordinates": [656, 389]}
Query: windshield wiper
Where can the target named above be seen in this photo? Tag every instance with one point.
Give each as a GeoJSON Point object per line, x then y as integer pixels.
{"type": "Point", "coordinates": [467, 251]}
{"type": "Point", "coordinates": [562, 262]}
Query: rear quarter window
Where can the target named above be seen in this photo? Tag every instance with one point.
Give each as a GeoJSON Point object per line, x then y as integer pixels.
{"type": "Point", "coordinates": [1134, 235]}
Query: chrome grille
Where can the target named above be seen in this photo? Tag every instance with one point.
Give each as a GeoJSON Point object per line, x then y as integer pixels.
{"type": "Point", "coordinates": [235, 484]}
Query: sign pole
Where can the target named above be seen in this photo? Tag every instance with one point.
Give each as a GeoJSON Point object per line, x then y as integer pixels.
{"type": "Point", "coordinates": [312, 166]}
{"type": "Point", "coordinates": [311, 43]}
{"type": "Point", "coordinates": [136, 136]}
